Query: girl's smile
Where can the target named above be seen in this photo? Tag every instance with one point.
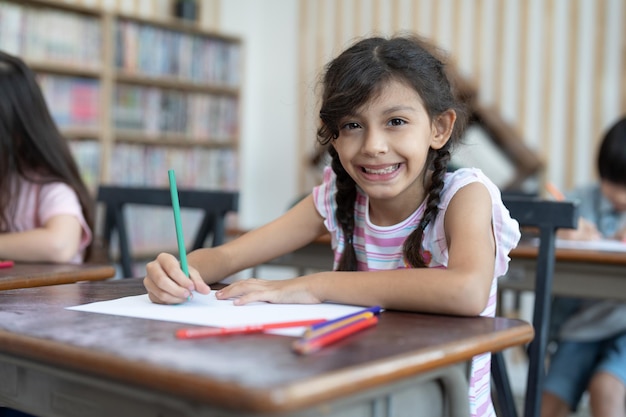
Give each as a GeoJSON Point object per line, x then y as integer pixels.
{"type": "Point", "coordinates": [381, 172]}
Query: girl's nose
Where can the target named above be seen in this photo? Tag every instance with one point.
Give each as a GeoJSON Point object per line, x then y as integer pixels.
{"type": "Point", "coordinates": [374, 143]}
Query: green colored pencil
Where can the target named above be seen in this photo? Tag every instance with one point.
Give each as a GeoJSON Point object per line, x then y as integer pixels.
{"type": "Point", "coordinates": [177, 222]}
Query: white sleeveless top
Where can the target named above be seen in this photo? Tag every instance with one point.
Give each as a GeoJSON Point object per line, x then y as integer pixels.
{"type": "Point", "coordinates": [380, 248]}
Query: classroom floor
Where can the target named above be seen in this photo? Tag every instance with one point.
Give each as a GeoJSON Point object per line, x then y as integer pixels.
{"type": "Point", "coordinates": [517, 366]}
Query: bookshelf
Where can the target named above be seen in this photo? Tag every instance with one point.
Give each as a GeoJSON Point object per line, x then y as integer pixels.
{"type": "Point", "coordinates": [134, 96]}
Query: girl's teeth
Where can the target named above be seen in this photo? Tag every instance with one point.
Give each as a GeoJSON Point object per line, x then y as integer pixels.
{"type": "Point", "coordinates": [386, 170]}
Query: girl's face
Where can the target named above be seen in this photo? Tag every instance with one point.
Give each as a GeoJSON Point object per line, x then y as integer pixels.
{"type": "Point", "coordinates": [615, 193]}
{"type": "Point", "coordinates": [384, 144]}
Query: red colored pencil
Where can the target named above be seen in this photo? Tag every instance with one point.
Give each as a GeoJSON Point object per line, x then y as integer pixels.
{"type": "Point", "coordinates": [198, 332]}
{"type": "Point", "coordinates": [305, 345]}
{"type": "Point", "coordinates": [6, 264]}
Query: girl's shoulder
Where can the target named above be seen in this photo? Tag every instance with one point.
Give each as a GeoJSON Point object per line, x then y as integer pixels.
{"type": "Point", "coordinates": [461, 177]}
{"type": "Point", "coordinates": [42, 183]}
{"type": "Point", "coordinates": [57, 193]}
{"type": "Point", "coordinates": [465, 174]}
{"type": "Point", "coordinates": [57, 187]}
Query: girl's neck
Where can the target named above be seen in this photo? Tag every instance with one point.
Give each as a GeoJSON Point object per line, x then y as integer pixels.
{"type": "Point", "coordinates": [389, 214]}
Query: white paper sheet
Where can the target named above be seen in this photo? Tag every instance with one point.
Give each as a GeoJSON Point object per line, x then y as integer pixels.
{"type": "Point", "coordinates": [599, 245]}
{"type": "Point", "coordinates": [606, 245]}
{"type": "Point", "coordinates": [206, 310]}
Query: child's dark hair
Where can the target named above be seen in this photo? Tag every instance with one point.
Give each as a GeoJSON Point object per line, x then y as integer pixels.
{"type": "Point", "coordinates": [31, 145]}
{"type": "Point", "coordinates": [350, 81]}
{"type": "Point", "coordinates": [612, 154]}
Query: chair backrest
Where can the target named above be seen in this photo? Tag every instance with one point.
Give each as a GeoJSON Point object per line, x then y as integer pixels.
{"type": "Point", "coordinates": [215, 204]}
{"type": "Point", "coordinates": [547, 217]}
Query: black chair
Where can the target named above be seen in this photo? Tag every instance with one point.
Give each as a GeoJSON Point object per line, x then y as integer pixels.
{"type": "Point", "coordinates": [216, 204]}
{"type": "Point", "coordinates": [546, 217]}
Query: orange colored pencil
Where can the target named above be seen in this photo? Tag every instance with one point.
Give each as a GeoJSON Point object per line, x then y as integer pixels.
{"type": "Point", "coordinates": [554, 192]}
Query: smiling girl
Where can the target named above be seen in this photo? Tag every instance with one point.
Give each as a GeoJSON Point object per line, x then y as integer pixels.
{"type": "Point", "coordinates": [407, 235]}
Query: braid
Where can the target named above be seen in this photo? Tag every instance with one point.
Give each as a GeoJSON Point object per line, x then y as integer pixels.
{"type": "Point", "coordinates": [413, 244]}
{"type": "Point", "coordinates": [345, 198]}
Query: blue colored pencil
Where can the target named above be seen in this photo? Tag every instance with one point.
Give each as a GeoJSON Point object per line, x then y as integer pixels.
{"type": "Point", "coordinates": [374, 310]}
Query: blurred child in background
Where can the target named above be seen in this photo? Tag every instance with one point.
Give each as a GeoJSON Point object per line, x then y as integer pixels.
{"type": "Point", "coordinates": [591, 352]}
{"type": "Point", "coordinates": [46, 211]}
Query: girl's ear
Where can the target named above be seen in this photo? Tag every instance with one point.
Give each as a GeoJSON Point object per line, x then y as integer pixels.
{"type": "Point", "coordinates": [442, 128]}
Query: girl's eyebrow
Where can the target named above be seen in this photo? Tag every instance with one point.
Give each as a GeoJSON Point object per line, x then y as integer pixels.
{"type": "Point", "coordinates": [353, 115]}
{"type": "Point", "coordinates": [397, 108]}
{"type": "Point", "coordinates": [390, 110]}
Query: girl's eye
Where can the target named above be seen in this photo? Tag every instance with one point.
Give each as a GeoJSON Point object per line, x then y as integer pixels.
{"type": "Point", "coordinates": [351, 126]}
{"type": "Point", "coordinates": [396, 122]}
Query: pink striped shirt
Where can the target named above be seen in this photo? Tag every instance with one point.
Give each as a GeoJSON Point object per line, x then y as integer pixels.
{"type": "Point", "coordinates": [380, 248]}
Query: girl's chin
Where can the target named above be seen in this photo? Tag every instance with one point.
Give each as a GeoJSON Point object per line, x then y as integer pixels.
{"type": "Point", "coordinates": [383, 192]}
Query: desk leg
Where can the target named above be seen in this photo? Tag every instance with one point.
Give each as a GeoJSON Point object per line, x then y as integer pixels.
{"type": "Point", "coordinates": [127, 263]}
{"type": "Point", "coordinates": [439, 393]}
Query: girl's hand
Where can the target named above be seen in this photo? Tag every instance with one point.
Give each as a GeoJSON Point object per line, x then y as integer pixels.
{"type": "Point", "coordinates": [585, 231]}
{"type": "Point", "coordinates": [167, 283]}
{"type": "Point", "coordinates": [289, 291]}
{"type": "Point", "coordinates": [621, 235]}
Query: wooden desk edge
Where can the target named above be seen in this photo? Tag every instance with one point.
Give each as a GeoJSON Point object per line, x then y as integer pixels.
{"type": "Point", "coordinates": [95, 274]}
{"type": "Point", "coordinates": [572, 255]}
{"type": "Point", "coordinates": [294, 396]}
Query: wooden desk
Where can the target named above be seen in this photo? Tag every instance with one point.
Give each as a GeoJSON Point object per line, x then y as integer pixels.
{"type": "Point", "coordinates": [26, 275]}
{"type": "Point", "coordinates": [577, 273]}
{"type": "Point", "coordinates": [56, 362]}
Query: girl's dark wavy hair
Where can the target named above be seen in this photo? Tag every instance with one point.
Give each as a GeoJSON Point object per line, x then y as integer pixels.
{"type": "Point", "coordinates": [612, 154]}
{"type": "Point", "coordinates": [31, 145]}
{"type": "Point", "coordinates": [350, 81]}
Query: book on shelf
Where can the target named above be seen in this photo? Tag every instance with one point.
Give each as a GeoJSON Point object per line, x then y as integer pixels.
{"type": "Point", "coordinates": [87, 155]}
{"type": "Point", "coordinates": [154, 111]}
{"type": "Point", "coordinates": [46, 34]}
{"type": "Point", "coordinates": [161, 52]}
{"type": "Point", "coordinates": [196, 167]}
{"type": "Point", "coordinates": [74, 102]}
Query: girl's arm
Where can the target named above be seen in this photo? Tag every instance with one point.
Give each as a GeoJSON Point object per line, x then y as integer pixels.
{"type": "Point", "coordinates": [166, 283]}
{"type": "Point", "coordinates": [57, 241]}
{"type": "Point", "coordinates": [621, 234]}
{"type": "Point", "coordinates": [461, 289]}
